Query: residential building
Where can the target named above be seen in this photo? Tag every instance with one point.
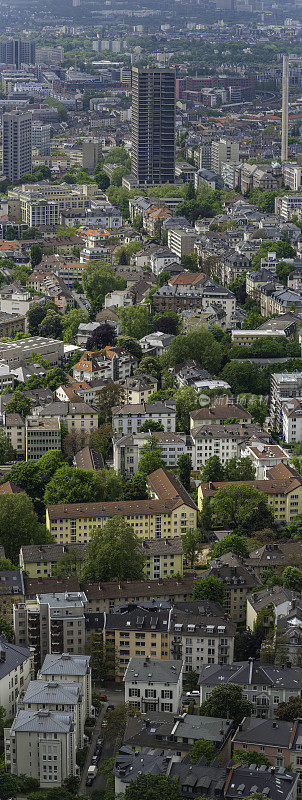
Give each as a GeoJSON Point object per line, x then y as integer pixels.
{"type": "Point", "coordinates": [10, 325]}
{"type": "Point", "coordinates": [201, 633]}
{"type": "Point", "coordinates": [14, 427]}
{"type": "Point", "coordinates": [42, 744]}
{"type": "Point", "coordinates": [129, 765]}
{"type": "Point", "coordinates": [41, 434]}
{"type": "Point", "coordinates": [75, 416]}
{"type": "Point", "coordinates": [16, 667]}
{"type": "Point", "coordinates": [219, 415]}
{"type": "Point", "coordinates": [208, 178]}
{"type": "Point", "coordinates": [38, 560]}
{"type": "Point", "coordinates": [189, 290]}
{"type": "Point", "coordinates": [68, 667]}
{"type": "Point", "coordinates": [138, 388]}
{"type": "Point", "coordinates": [224, 441]}
{"type": "Point", "coordinates": [285, 386]}
{"type": "Point", "coordinates": [17, 145]}
{"type": "Point", "coordinates": [265, 456]}
{"type": "Point", "coordinates": [89, 458]}
{"type": "Point", "coordinates": [112, 362]}
{"type": "Point", "coordinates": [264, 685]}
{"type": "Point", "coordinates": [19, 352]}
{"type": "Point", "coordinates": [181, 240]}
{"type": "Point", "coordinates": [163, 557]}
{"type": "Point", "coordinates": [162, 259]}
{"type": "Point", "coordinates": [43, 203]}
{"type": "Point", "coordinates": [291, 418]}
{"type": "Point", "coordinates": [222, 152]}
{"type": "Point", "coordinates": [17, 52]}
{"type": "Point", "coordinates": [104, 597]}
{"type": "Point", "coordinates": [292, 175]}
{"type": "Point", "coordinates": [129, 418]}
{"type": "Point", "coordinates": [131, 630]}
{"type": "Point", "coordinates": [231, 781]}
{"type": "Point", "coordinates": [282, 487]}
{"type": "Point", "coordinates": [170, 512]}
{"type": "Point", "coordinates": [127, 449]}
{"type": "Point", "coordinates": [275, 739]}
{"type": "Point", "coordinates": [154, 685]}
{"type": "Point", "coordinates": [276, 600]}
{"type": "Point", "coordinates": [288, 206]}
{"type": "Point", "coordinates": [54, 696]}
{"type": "Point", "coordinates": [65, 624]}
{"type": "Point", "coordinates": [154, 344]}
{"type": "Point", "coordinates": [41, 138]}
{"type": "Point", "coordinates": [239, 581]}
{"type": "Point", "coordinates": [11, 591]}
{"type": "Point", "coordinates": [161, 730]}
{"type": "Point", "coordinates": [153, 148]}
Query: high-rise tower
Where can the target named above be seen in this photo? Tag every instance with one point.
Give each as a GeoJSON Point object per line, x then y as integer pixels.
{"type": "Point", "coordinates": [153, 125]}
{"type": "Point", "coordinates": [17, 144]}
{"type": "Point", "coordinates": [285, 84]}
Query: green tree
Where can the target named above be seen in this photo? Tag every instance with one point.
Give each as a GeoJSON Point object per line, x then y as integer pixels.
{"type": "Point", "coordinates": [231, 543]}
{"type": "Point", "coordinates": [113, 553]}
{"type": "Point", "coordinates": [25, 474]}
{"type": "Point", "coordinates": [250, 757]}
{"type": "Point", "coordinates": [51, 325]}
{"type": "Point", "coordinates": [239, 469]}
{"type": "Point", "coordinates": [68, 564]}
{"type": "Point", "coordinates": [48, 464]}
{"type": "Point", "coordinates": [150, 366]}
{"type": "Point", "coordinates": [202, 749]}
{"type": "Point", "coordinates": [213, 470]}
{"type": "Point", "coordinates": [98, 280]}
{"type": "Point", "coordinates": [184, 467]}
{"type": "Point", "coordinates": [199, 345]}
{"type": "Point", "coordinates": [19, 404]}
{"type": "Point", "coordinates": [192, 546]}
{"type": "Point", "coordinates": [70, 323]}
{"type": "Point", "coordinates": [136, 321]}
{"type": "Point", "coordinates": [291, 710]}
{"type": "Point", "coordinates": [151, 457]}
{"type": "Point", "coordinates": [19, 524]}
{"type": "Point", "coordinates": [73, 485]}
{"type": "Point", "coordinates": [6, 629]}
{"type": "Point", "coordinates": [6, 448]}
{"type": "Point", "coordinates": [241, 507]}
{"type": "Point", "coordinates": [135, 488]}
{"type": "Point", "coordinates": [191, 680]}
{"type": "Point", "coordinates": [35, 255]}
{"type": "Point", "coordinates": [258, 409]}
{"type": "Point", "coordinates": [102, 657]}
{"type": "Point", "coordinates": [292, 578]}
{"type": "Point", "coordinates": [150, 425]}
{"type": "Point", "coordinates": [152, 787]}
{"type": "Point", "coordinates": [101, 439]}
{"type": "Point", "coordinates": [186, 399]}
{"type": "Point", "coordinates": [109, 396]}
{"type": "Point", "coordinates": [226, 701]}
{"type": "Point", "coordinates": [209, 588]}
{"type": "Point", "coordinates": [6, 565]}
{"type": "Point", "coordinates": [131, 346]}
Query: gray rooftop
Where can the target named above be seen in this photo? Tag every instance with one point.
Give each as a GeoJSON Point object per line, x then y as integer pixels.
{"type": "Point", "coordinates": [141, 669]}
{"type": "Point", "coordinates": [11, 656]}
{"type": "Point", "coordinates": [49, 692]}
{"type": "Point", "coordinates": [65, 664]}
{"type": "Point", "coordinates": [63, 599]}
{"type": "Point", "coordinates": [43, 721]}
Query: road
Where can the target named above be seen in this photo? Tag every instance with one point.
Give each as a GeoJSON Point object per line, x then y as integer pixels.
{"type": "Point", "coordinates": [115, 696]}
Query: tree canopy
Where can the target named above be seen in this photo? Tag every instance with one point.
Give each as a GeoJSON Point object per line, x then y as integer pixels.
{"type": "Point", "coordinates": [153, 787]}
{"type": "Point", "coordinates": [113, 553]}
{"type": "Point", "coordinates": [226, 700]}
{"type": "Point", "coordinates": [209, 588]}
{"type": "Point", "coordinates": [19, 524]}
{"type": "Point", "coordinates": [242, 508]}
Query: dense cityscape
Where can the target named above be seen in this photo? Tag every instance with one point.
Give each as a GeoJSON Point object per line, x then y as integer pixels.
{"type": "Point", "coordinates": [151, 400]}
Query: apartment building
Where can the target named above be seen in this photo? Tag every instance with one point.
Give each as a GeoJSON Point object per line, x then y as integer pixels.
{"type": "Point", "coordinates": [282, 487]}
{"type": "Point", "coordinates": [75, 416]}
{"type": "Point", "coordinates": [138, 388]}
{"type": "Point", "coordinates": [11, 592]}
{"type": "Point", "coordinates": [41, 434]}
{"type": "Point", "coordinates": [112, 362]}
{"type": "Point", "coordinates": [224, 441]}
{"type": "Point", "coordinates": [247, 337]}
{"type": "Point", "coordinates": [42, 203]}
{"type": "Point", "coordinates": [68, 667]}
{"type": "Point", "coordinates": [285, 387]}
{"type": "Point", "coordinates": [264, 685]}
{"type": "Point", "coordinates": [16, 668]}
{"type": "Point", "coordinates": [128, 419]}
{"type": "Point", "coordinates": [292, 175]}
{"type": "Point", "coordinates": [181, 240]}
{"type": "Point", "coordinates": [276, 600]}
{"type": "Point", "coordinates": [291, 415]}
{"type": "Point", "coordinates": [154, 685]}
{"type": "Point", "coordinates": [14, 427]}
{"type": "Point", "coordinates": [127, 449]}
{"type": "Point", "coordinates": [104, 597]}
{"type": "Point", "coordinates": [53, 623]}
{"type": "Point", "coordinates": [288, 206]}
{"type": "Point", "coordinates": [18, 353]}
{"type": "Point", "coordinates": [139, 629]}
{"type": "Point", "coordinates": [42, 744]}
{"type": "Point", "coordinates": [239, 581]}
{"type": "Point", "coordinates": [219, 415]}
{"type": "Point", "coordinates": [274, 555]}
{"type": "Point", "coordinates": [201, 634]}
{"type": "Point", "coordinates": [178, 736]}
{"type": "Point", "coordinates": [263, 457]}
{"type": "Point", "coordinates": [189, 291]}
{"type": "Point", "coordinates": [17, 145]}
{"type": "Point", "coordinates": [54, 696]}
{"type": "Point", "coordinates": [163, 557]}
{"type": "Point", "coordinates": [38, 560]}
{"type": "Point", "coordinates": [277, 740]}
{"type": "Point", "coordinates": [153, 148]}
{"type": "Point", "coordinates": [223, 152]}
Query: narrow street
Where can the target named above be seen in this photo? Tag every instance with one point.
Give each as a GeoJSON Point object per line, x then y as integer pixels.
{"type": "Point", "coordinates": [115, 696]}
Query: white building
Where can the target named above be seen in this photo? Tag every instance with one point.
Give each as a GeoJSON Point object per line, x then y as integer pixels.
{"type": "Point", "coordinates": [181, 240]}
{"type": "Point", "coordinates": [155, 343]}
{"type": "Point", "coordinates": [161, 259]}
{"type": "Point", "coordinates": [127, 449]}
{"type": "Point", "coordinates": [18, 303]}
{"type": "Point", "coordinates": [42, 745]}
{"type": "Point", "coordinates": [16, 668]}
{"type": "Point", "coordinates": [52, 623]}
{"type": "Point", "coordinates": [69, 667]}
{"type": "Point", "coordinates": [130, 418]}
{"type": "Point", "coordinates": [265, 456]}
{"type": "Point", "coordinates": [154, 685]}
{"type": "Point", "coordinates": [56, 696]}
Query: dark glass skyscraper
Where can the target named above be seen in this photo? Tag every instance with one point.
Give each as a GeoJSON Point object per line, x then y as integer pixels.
{"type": "Point", "coordinates": [153, 125]}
